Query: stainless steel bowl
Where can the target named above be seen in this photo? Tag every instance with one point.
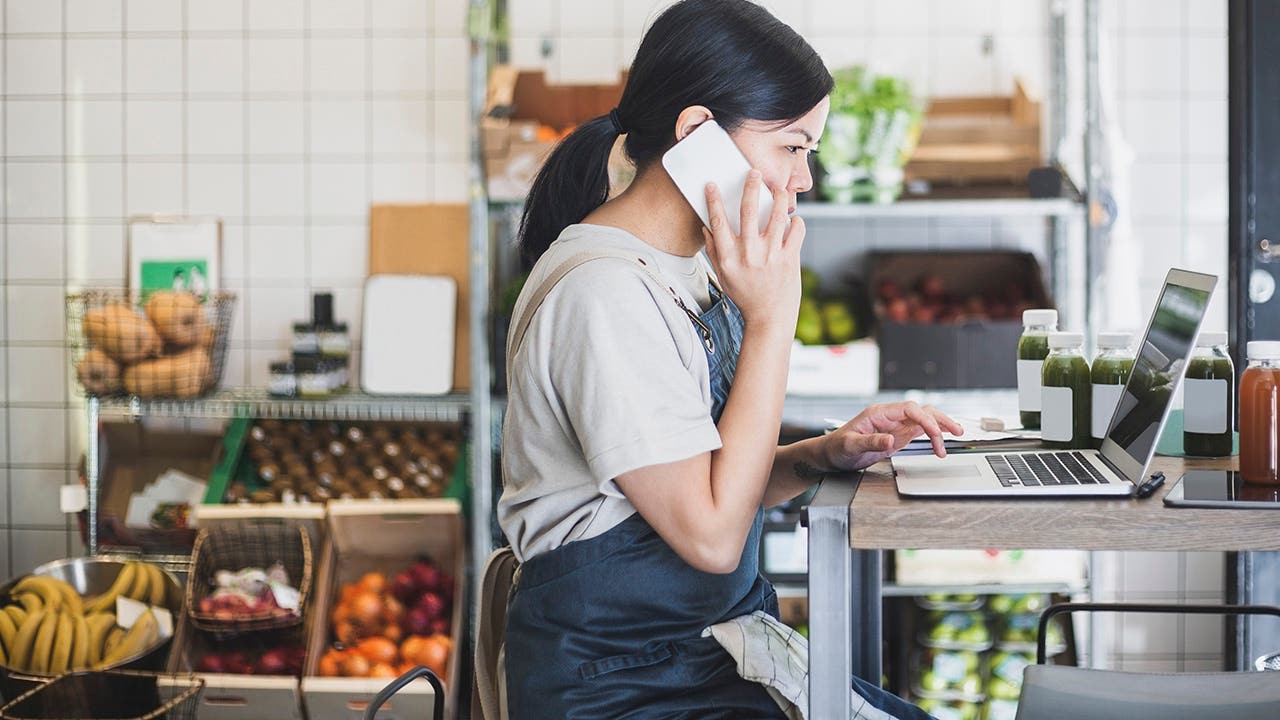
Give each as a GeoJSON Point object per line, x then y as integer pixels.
{"type": "Point", "coordinates": [93, 576]}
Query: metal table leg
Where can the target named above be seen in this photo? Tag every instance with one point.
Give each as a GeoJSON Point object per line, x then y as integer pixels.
{"type": "Point", "coordinates": [844, 602]}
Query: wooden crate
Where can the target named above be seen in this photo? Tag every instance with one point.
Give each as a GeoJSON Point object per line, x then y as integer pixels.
{"type": "Point", "coordinates": [978, 140]}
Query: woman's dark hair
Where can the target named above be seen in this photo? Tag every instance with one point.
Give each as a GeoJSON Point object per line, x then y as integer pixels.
{"type": "Point", "coordinates": [731, 56]}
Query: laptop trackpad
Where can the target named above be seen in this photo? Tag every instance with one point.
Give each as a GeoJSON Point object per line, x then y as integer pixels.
{"type": "Point", "coordinates": [952, 471]}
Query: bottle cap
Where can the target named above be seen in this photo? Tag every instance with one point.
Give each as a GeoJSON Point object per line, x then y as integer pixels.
{"type": "Point", "coordinates": [1264, 350]}
{"type": "Point", "coordinates": [1115, 339]}
{"type": "Point", "coordinates": [322, 308]}
{"type": "Point", "coordinates": [1059, 340]}
{"type": "Point", "coordinates": [1039, 317]}
{"type": "Point", "coordinates": [1211, 339]}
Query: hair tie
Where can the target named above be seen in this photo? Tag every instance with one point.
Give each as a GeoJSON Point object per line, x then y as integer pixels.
{"type": "Point", "coordinates": [616, 122]}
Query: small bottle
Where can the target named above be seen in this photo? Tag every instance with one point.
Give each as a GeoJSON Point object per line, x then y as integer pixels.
{"type": "Point", "coordinates": [1208, 398]}
{"type": "Point", "coordinates": [313, 378]}
{"type": "Point", "coordinates": [1033, 347]}
{"type": "Point", "coordinates": [283, 383]}
{"type": "Point", "coordinates": [1110, 371]}
{"type": "Point", "coordinates": [1065, 393]}
{"type": "Point", "coordinates": [306, 340]}
{"type": "Point", "coordinates": [1259, 424]}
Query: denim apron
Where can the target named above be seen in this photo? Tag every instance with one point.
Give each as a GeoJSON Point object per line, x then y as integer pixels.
{"type": "Point", "coordinates": [610, 627]}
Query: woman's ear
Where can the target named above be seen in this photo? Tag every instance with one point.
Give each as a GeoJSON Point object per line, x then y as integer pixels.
{"type": "Point", "coordinates": [689, 120]}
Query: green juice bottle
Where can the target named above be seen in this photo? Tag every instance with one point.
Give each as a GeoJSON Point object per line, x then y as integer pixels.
{"type": "Point", "coordinates": [1033, 347]}
{"type": "Point", "coordinates": [1066, 394]}
{"type": "Point", "coordinates": [1209, 398]}
{"type": "Point", "coordinates": [1110, 371]}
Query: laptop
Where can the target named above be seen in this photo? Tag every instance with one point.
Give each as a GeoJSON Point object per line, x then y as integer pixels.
{"type": "Point", "coordinates": [1121, 464]}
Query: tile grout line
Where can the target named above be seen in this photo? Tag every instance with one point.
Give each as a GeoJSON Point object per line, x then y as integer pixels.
{"type": "Point", "coordinates": [4, 321]}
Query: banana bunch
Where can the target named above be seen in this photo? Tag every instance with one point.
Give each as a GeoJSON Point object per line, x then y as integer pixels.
{"type": "Point", "coordinates": [47, 628]}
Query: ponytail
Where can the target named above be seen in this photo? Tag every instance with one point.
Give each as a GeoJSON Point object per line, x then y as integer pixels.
{"type": "Point", "coordinates": [573, 181]}
{"type": "Point", "coordinates": [731, 56]}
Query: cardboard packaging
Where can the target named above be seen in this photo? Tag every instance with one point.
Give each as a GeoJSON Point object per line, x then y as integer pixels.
{"type": "Point", "coordinates": [968, 353]}
{"type": "Point", "coordinates": [250, 697]}
{"type": "Point", "coordinates": [385, 536]}
{"type": "Point", "coordinates": [525, 116]}
{"type": "Point", "coordinates": [428, 240]}
{"type": "Point", "coordinates": [130, 456]}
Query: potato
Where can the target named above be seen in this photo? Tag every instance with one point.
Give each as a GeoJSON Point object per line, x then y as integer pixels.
{"type": "Point", "coordinates": [121, 332]}
{"type": "Point", "coordinates": [183, 375]}
{"type": "Point", "coordinates": [179, 317]}
{"type": "Point", "coordinates": [98, 373]}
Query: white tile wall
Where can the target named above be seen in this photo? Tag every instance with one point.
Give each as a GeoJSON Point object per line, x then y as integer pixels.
{"type": "Point", "coordinates": [287, 117]}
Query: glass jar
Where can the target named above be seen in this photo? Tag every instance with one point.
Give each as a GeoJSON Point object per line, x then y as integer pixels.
{"type": "Point", "coordinates": [1065, 394]}
{"type": "Point", "coordinates": [1033, 347]}
{"type": "Point", "coordinates": [313, 376]}
{"type": "Point", "coordinates": [1209, 398]}
{"type": "Point", "coordinates": [1259, 426]}
{"type": "Point", "coordinates": [283, 382]}
{"type": "Point", "coordinates": [305, 338]}
{"type": "Point", "coordinates": [1110, 371]}
{"type": "Point", "coordinates": [333, 340]}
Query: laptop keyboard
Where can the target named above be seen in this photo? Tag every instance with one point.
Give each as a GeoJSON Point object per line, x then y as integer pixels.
{"type": "Point", "coordinates": [1047, 468]}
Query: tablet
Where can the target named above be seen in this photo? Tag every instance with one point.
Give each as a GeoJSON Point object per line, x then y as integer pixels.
{"type": "Point", "coordinates": [1221, 489]}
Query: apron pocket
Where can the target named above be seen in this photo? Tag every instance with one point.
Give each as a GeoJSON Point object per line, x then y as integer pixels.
{"type": "Point", "coordinates": [596, 668]}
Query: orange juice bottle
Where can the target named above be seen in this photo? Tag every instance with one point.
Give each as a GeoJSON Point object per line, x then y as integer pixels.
{"type": "Point", "coordinates": [1260, 415]}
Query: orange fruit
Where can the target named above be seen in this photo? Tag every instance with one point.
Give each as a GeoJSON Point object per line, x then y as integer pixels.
{"type": "Point", "coordinates": [412, 647]}
{"type": "Point", "coordinates": [355, 665]}
{"type": "Point", "coordinates": [374, 582]}
{"type": "Point", "coordinates": [392, 609]}
{"type": "Point", "coordinates": [366, 610]}
{"type": "Point", "coordinates": [383, 670]}
{"type": "Point", "coordinates": [392, 632]}
{"type": "Point", "coordinates": [378, 650]}
{"type": "Point", "coordinates": [349, 591]}
{"type": "Point", "coordinates": [435, 654]}
{"type": "Point", "coordinates": [345, 632]}
{"type": "Point", "coordinates": [331, 664]}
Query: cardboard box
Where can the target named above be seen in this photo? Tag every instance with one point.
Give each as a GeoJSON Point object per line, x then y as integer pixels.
{"type": "Point", "coordinates": [385, 536]}
{"type": "Point", "coordinates": [249, 697]}
{"type": "Point", "coordinates": [429, 240]}
{"type": "Point", "coordinates": [852, 369]}
{"type": "Point", "coordinates": [525, 116]}
{"type": "Point", "coordinates": [974, 353]}
{"type": "Point", "coordinates": [131, 455]}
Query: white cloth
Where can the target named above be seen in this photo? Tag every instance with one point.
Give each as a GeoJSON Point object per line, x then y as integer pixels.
{"type": "Point", "coordinates": [611, 376]}
{"type": "Point", "coordinates": [774, 655]}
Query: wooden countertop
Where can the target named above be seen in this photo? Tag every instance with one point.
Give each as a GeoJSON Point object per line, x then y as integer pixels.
{"type": "Point", "coordinates": [881, 519]}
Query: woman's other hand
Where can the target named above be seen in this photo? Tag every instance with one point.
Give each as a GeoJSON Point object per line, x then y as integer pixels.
{"type": "Point", "coordinates": [760, 270]}
{"type": "Point", "coordinates": [881, 430]}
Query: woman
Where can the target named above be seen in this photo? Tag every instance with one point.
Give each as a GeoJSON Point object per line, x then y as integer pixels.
{"type": "Point", "coordinates": [640, 441]}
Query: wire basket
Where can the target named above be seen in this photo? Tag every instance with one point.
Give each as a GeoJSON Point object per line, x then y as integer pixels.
{"type": "Point", "coordinates": [114, 694]}
{"type": "Point", "coordinates": [168, 345]}
{"type": "Point", "coordinates": [248, 544]}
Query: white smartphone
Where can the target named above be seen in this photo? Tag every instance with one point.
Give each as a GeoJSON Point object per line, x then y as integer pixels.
{"type": "Point", "coordinates": [709, 155]}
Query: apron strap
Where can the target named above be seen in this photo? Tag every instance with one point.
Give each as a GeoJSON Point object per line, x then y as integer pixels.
{"type": "Point", "coordinates": [525, 310]}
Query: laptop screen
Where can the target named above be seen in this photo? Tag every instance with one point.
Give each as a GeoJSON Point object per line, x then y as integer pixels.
{"type": "Point", "coordinates": [1135, 426]}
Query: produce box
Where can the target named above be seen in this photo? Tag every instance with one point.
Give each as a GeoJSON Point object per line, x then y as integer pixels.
{"type": "Point", "coordinates": [235, 693]}
{"type": "Point", "coordinates": [371, 537]}
{"type": "Point", "coordinates": [525, 117]}
{"type": "Point", "coordinates": [132, 455]}
{"type": "Point", "coordinates": [275, 462]}
{"type": "Point", "coordinates": [952, 319]}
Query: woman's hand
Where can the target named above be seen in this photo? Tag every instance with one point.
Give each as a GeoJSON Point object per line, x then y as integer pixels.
{"type": "Point", "coordinates": [881, 430]}
{"type": "Point", "coordinates": [760, 270]}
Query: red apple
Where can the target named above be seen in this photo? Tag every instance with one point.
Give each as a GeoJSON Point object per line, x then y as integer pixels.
{"type": "Point", "coordinates": [427, 576]}
{"type": "Point", "coordinates": [888, 290]}
{"type": "Point", "coordinates": [211, 663]}
{"type": "Point", "coordinates": [898, 311]}
{"type": "Point", "coordinates": [273, 662]}
{"type": "Point", "coordinates": [930, 286]}
{"type": "Point", "coordinates": [405, 587]}
{"type": "Point", "coordinates": [416, 622]}
{"type": "Point", "coordinates": [432, 604]}
{"type": "Point", "coordinates": [440, 626]}
{"type": "Point", "coordinates": [237, 663]}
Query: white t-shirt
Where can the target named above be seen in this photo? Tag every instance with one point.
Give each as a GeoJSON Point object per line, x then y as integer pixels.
{"type": "Point", "coordinates": [610, 377]}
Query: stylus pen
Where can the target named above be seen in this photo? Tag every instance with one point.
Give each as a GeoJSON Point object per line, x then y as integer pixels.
{"type": "Point", "coordinates": [1150, 486]}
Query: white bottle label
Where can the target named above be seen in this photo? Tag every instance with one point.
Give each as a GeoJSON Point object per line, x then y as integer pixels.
{"type": "Point", "coordinates": [1056, 414]}
{"type": "Point", "coordinates": [1029, 385]}
{"type": "Point", "coordinates": [1204, 405]}
{"type": "Point", "coordinates": [1105, 400]}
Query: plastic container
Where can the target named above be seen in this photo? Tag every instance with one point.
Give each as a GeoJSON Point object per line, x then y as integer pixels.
{"type": "Point", "coordinates": [1209, 398]}
{"type": "Point", "coordinates": [1110, 371]}
{"type": "Point", "coordinates": [1066, 394]}
{"type": "Point", "coordinates": [1259, 426]}
{"type": "Point", "coordinates": [1033, 347]}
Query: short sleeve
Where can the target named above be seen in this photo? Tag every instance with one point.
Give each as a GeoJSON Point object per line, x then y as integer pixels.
{"type": "Point", "coordinates": [616, 365]}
